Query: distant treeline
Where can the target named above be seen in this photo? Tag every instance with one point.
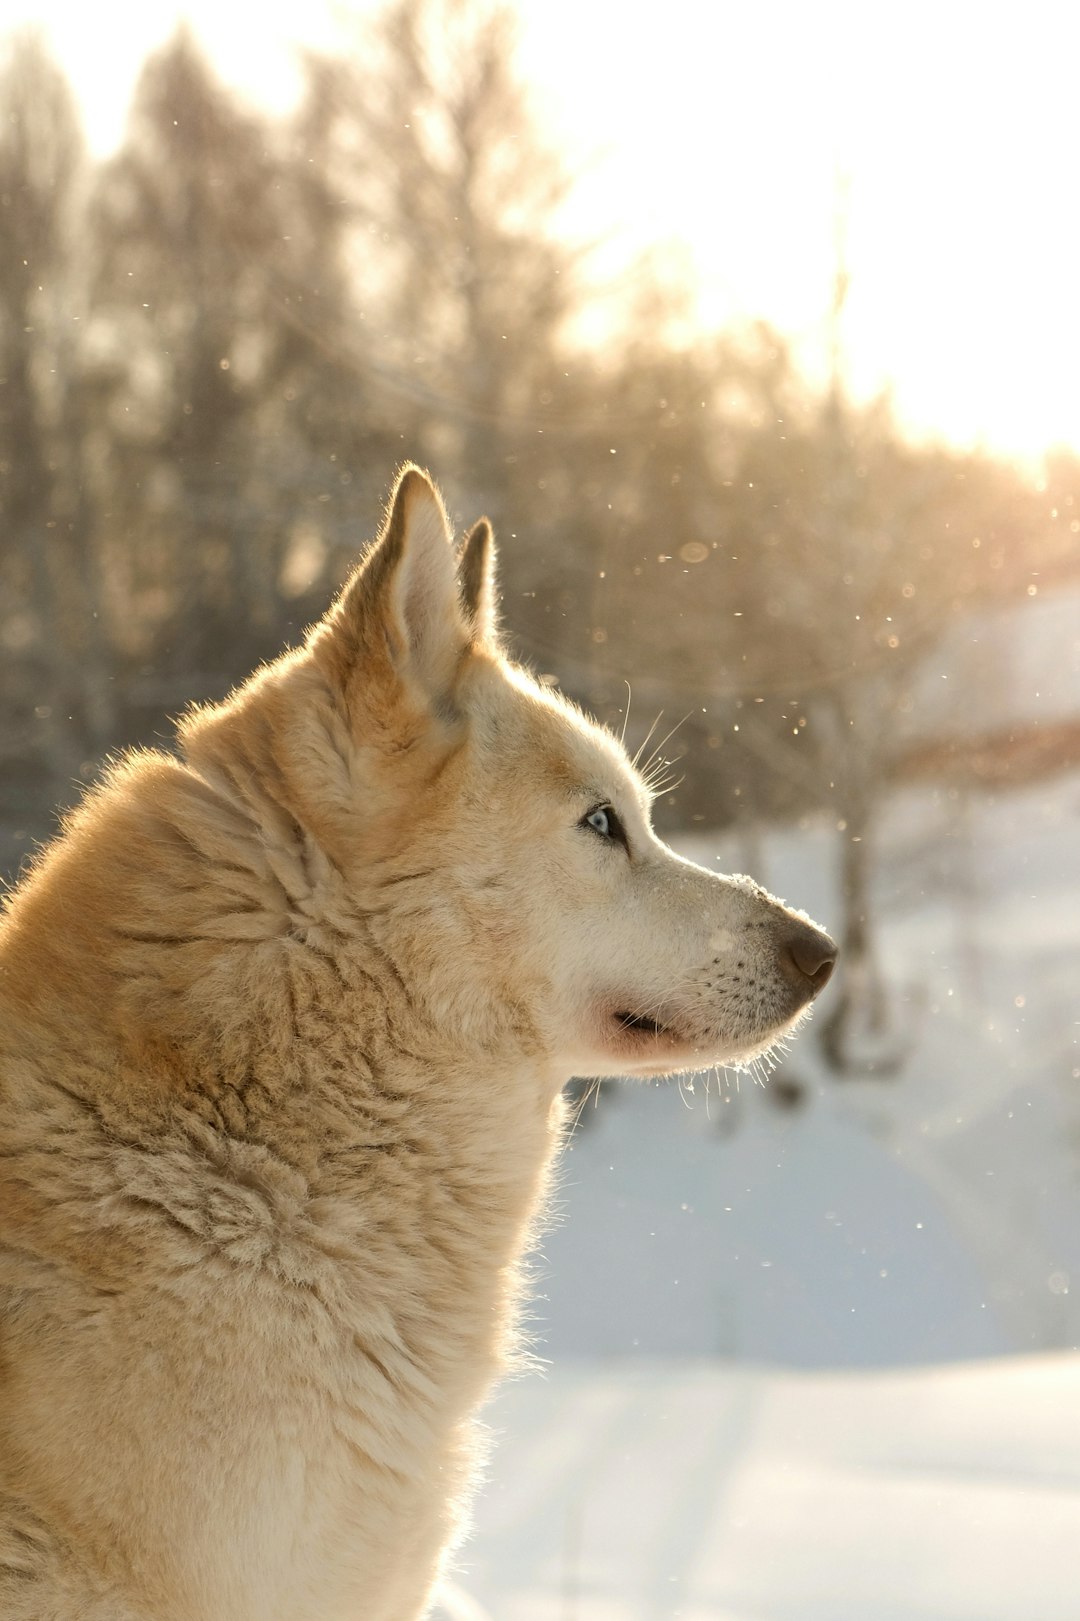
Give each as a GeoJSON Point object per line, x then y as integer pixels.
{"type": "Point", "coordinates": [216, 346]}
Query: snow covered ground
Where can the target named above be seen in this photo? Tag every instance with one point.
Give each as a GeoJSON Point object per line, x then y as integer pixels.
{"type": "Point", "coordinates": [654, 1490]}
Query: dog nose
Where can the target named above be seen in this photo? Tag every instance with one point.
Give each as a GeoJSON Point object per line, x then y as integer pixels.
{"type": "Point", "coordinates": [807, 956]}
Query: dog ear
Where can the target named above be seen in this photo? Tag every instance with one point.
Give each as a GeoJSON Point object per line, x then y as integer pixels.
{"type": "Point", "coordinates": [400, 618]}
{"type": "Point", "coordinates": [476, 577]}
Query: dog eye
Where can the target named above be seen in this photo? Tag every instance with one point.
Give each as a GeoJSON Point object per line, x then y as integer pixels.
{"type": "Point", "coordinates": [603, 820]}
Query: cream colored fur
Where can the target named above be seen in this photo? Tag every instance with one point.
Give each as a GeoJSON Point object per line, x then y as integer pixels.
{"type": "Point", "coordinates": [284, 1021]}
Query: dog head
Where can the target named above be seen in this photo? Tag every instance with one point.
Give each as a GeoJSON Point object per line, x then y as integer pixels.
{"type": "Point", "coordinates": [498, 842]}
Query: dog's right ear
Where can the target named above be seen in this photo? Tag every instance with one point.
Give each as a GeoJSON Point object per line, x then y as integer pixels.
{"type": "Point", "coordinates": [476, 576]}
{"type": "Point", "coordinates": [399, 628]}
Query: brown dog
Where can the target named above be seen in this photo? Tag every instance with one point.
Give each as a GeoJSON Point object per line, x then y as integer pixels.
{"type": "Point", "coordinates": [284, 1022]}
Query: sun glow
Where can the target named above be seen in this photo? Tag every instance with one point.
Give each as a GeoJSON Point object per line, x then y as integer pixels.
{"type": "Point", "coordinates": [949, 144]}
{"type": "Point", "coordinates": [726, 135]}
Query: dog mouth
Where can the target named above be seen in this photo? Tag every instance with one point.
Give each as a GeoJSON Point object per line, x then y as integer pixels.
{"type": "Point", "coordinates": [641, 1022]}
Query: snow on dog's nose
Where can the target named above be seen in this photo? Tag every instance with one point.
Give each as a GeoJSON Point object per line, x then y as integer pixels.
{"type": "Point", "coordinates": [807, 956]}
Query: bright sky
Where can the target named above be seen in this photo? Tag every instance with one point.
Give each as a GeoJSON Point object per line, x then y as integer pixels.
{"type": "Point", "coordinates": [719, 127]}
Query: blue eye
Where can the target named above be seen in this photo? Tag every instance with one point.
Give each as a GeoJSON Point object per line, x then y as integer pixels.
{"type": "Point", "coordinates": [604, 821]}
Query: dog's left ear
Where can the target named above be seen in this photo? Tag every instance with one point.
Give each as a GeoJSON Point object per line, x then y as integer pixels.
{"type": "Point", "coordinates": [476, 577]}
{"type": "Point", "coordinates": [400, 625]}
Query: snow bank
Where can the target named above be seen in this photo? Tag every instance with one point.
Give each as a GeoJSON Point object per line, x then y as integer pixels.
{"type": "Point", "coordinates": [647, 1491]}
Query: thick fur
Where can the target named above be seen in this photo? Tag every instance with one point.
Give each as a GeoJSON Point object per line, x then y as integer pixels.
{"type": "Point", "coordinates": [284, 1021]}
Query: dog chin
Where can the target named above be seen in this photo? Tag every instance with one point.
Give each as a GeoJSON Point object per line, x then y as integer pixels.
{"type": "Point", "coordinates": [764, 1045]}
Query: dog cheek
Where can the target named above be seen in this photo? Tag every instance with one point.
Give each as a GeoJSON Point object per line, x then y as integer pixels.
{"type": "Point", "coordinates": [492, 914]}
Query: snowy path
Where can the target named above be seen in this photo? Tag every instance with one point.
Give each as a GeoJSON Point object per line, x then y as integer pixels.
{"type": "Point", "coordinates": [650, 1491]}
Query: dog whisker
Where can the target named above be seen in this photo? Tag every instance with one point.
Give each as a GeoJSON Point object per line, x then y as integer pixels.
{"type": "Point", "coordinates": [665, 739]}
{"type": "Point", "coordinates": [643, 745]}
{"type": "Point", "coordinates": [626, 715]}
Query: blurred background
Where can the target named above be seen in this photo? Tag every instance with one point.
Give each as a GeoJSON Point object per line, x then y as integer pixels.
{"type": "Point", "coordinates": [754, 331]}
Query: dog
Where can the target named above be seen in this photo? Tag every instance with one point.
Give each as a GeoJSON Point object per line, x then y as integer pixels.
{"type": "Point", "coordinates": [285, 1019]}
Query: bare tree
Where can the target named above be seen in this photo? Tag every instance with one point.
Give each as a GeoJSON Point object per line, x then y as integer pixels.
{"type": "Point", "coordinates": [464, 280]}
{"type": "Point", "coordinates": [51, 585]}
{"type": "Point", "coordinates": [186, 340]}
